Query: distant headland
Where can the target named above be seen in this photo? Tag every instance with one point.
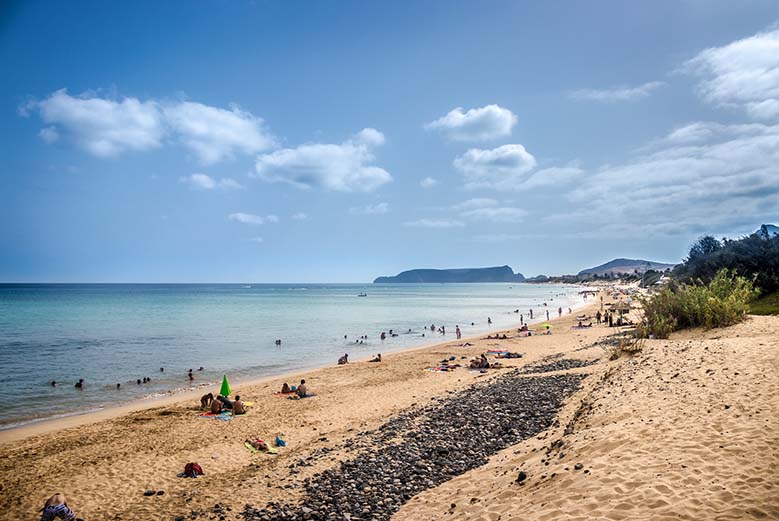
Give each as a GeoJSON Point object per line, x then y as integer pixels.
{"type": "Point", "coordinates": [494, 274]}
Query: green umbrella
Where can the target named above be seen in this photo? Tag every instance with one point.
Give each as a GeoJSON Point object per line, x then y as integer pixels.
{"type": "Point", "coordinates": [225, 390]}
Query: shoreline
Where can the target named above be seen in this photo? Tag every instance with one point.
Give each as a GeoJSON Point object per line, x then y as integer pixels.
{"type": "Point", "coordinates": [42, 426]}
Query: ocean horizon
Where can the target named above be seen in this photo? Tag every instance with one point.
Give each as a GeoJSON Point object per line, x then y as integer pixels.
{"type": "Point", "coordinates": [119, 333]}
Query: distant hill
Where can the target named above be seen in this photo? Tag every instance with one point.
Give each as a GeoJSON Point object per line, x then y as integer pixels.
{"type": "Point", "coordinates": [626, 266]}
{"type": "Point", "coordinates": [768, 231]}
{"type": "Point", "coordinates": [495, 274]}
{"type": "Point", "coordinates": [537, 278]}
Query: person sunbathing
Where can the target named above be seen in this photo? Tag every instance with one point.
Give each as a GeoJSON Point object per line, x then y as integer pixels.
{"type": "Point", "coordinates": [302, 390]}
{"type": "Point", "coordinates": [56, 507]}
{"type": "Point", "coordinates": [285, 389]}
{"type": "Point", "coordinates": [226, 402]}
{"type": "Point", "coordinates": [258, 444]}
{"type": "Point", "coordinates": [238, 406]}
{"type": "Point", "coordinates": [376, 359]}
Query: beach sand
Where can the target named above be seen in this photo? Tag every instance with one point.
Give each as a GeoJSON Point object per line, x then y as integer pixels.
{"type": "Point", "coordinates": [649, 441]}
{"type": "Point", "coordinates": [688, 429]}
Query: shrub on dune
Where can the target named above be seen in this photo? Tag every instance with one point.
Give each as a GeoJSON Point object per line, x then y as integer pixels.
{"type": "Point", "coordinates": [724, 301]}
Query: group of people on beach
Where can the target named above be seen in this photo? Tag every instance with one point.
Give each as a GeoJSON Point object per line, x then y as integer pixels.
{"type": "Point", "coordinates": [221, 403]}
{"type": "Point", "coordinates": [299, 391]}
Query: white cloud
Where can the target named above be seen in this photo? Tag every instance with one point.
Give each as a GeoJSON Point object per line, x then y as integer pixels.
{"type": "Point", "coordinates": [370, 209]}
{"type": "Point", "coordinates": [299, 216]}
{"type": "Point", "coordinates": [205, 182]}
{"type": "Point", "coordinates": [428, 182]}
{"type": "Point", "coordinates": [479, 124]}
{"type": "Point", "coordinates": [214, 134]}
{"type": "Point", "coordinates": [436, 223]}
{"type": "Point", "coordinates": [501, 214]}
{"type": "Point", "coordinates": [496, 168]}
{"type": "Point", "coordinates": [104, 127]}
{"type": "Point", "coordinates": [744, 74]}
{"type": "Point", "coordinates": [107, 127]}
{"type": "Point", "coordinates": [614, 94]}
{"type": "Point", "coordinates": [555, 176]}
{"type": "Point", "coordinates": [724, 178]}
{"type": "Point", "coordinates": [49, 134]}
{"type": "Point", "coordinates": [344, 168]}
{"type": "Point", "coordinates": [477, 202]}
{"type": "Point", "coordinates": [258, 240]}
{"type": "Point", "coordinates": [250, 218]}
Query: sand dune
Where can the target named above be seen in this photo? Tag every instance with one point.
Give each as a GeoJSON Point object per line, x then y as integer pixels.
{"type": "Point", "coordinates": [689, 429]}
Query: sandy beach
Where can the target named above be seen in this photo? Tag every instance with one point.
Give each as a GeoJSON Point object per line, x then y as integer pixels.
{"type": "Point", "coordinates": [685, 430]}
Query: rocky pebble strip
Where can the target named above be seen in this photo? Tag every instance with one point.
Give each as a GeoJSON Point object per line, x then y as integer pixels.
{"type": "Point", "coordinates": [557, 365]}
{"type": "Point", "coordinates": [426, 446]}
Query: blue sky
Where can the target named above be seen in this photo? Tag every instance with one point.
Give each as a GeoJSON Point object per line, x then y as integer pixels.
{"type": "Point", "coordinates": [339, 141]}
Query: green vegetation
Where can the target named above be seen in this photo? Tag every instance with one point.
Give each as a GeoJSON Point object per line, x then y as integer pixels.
{"type": "Point", "coordinates": [755, 257]}
{"type": "Point", "coordinates": [723, 301]}
{"type": "Point", "coordinates": [767, 305]}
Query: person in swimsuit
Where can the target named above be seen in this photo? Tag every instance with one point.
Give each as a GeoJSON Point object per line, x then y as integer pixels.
{"type": "Point", "coordinates": [57, 508]}
{"type": "Point", "coordinates": [238, 406]}
{"type": "Point", "coordinates": [302, 389]}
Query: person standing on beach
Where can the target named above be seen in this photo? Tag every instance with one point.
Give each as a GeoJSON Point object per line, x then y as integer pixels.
{"type": "Point", "coordinates": [559, 312]}
{"type": "Point", "coordinates": [531, 313]}
{"type": "Point", "coordinates": [489, 320]}
{"type": "Point", "coordinates": [457, 332]}
{"type": "Point", "coordinates": [547, 314]}
{"type": "Point", "coordinates": [598, 317]}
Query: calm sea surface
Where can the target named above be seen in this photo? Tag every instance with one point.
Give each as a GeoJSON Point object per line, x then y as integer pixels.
{"type": "Point", "coordinates": [118, 333]}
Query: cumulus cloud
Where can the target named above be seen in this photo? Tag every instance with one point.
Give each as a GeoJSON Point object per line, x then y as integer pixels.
{"type": "Point", "coordinates": [250, 218]}
{"type": "Point", "coordinates": [479, 124]}
{"type": "Point", "coordinates": [743, 74]}
{"type": "Point", "coordinates": [435, 223]}
{"type": "Point", "coordinates": [428, 182]}
{"type": "Point", "coordinates": [495, 168]}
{"type": "Point", "coordinates": [370, 209]}
{"type": "Point", "coordinates": [214, 134]}
{"type": "Point", "coordinates": [345, 167]}
{"type": "Point", "coordinates": [107, 127]}
{"type": "Point", "coordinates": [615, 94]}
{"type": "Point", "coordinates": [103, 127]}
{"type": "Point", "coordinates": [205, 182]}
{"type": "Point", "coordinates": [299, 216]}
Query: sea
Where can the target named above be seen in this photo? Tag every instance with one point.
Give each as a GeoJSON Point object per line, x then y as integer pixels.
{"type": "Point", "coordinates": [109, 334]}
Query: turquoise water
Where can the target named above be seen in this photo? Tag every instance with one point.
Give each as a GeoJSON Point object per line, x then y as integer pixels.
{"type": "Point", "coordinates": [118, 333]}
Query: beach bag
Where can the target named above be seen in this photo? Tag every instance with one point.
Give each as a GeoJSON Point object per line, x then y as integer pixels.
{"type": "Point", "coordinates": [192, 470]}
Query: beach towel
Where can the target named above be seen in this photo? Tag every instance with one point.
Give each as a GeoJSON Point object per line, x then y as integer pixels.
{"type": "Point", "coordinates": [251, 449]}
{"type": "Point", "coordinates": [224, 416]}
{"type": "Point", "coordinates": [279, 393]}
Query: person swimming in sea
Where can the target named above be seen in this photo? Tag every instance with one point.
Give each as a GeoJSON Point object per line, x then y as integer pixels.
{"type": "Point", "coordinates": [80, 384]}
